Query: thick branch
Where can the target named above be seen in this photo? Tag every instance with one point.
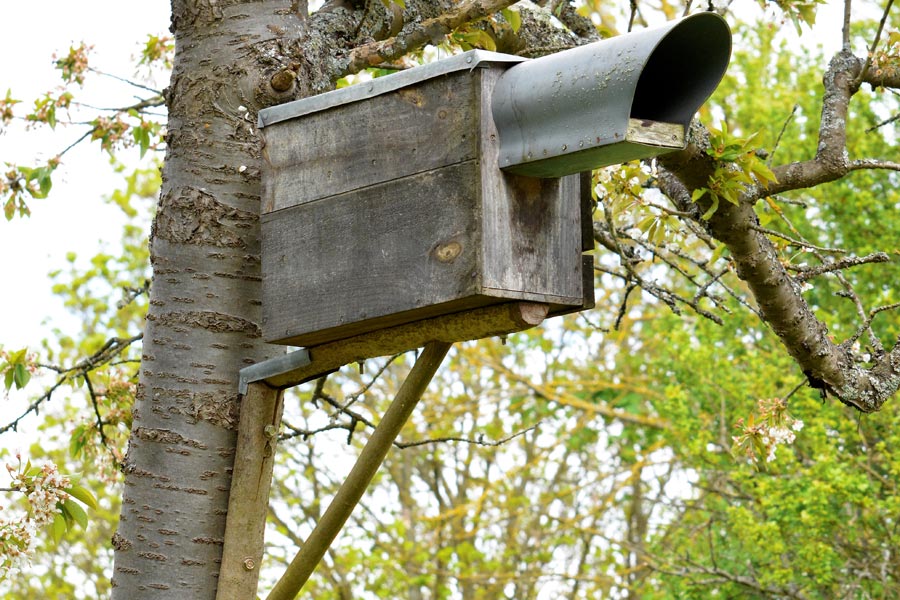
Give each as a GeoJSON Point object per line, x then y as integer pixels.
{"type": "Point", "coordinates": [830, 162]}
{"type": "Point", "coordinates": [827, 365]}
{"type": "Point", "coordinates": [426, 32]}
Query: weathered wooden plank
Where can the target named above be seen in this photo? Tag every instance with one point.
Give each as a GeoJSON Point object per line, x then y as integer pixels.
{"type": "Point", "coordinates": [372, 258]}
{"type": "Point", "coordinates": [587, 286]}
{"type": "Point", "coordinates": [533, 248]}
{"type": "Point", "coordinates": [655, 133]}
{"type": "Point", "coordinates": [248, 501]}
{"type": "Point", "coordinates": [587, 211]}
{"type": "Point", "coordinates": [387, 137]}
{"type": "Point", "coordinates": [474, 324]}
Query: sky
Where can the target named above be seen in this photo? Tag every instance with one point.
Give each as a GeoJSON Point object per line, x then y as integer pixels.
{"type": "Point", "coordinates": [73, 218]}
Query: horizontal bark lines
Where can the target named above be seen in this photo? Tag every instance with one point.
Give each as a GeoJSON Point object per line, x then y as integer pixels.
{"type": "Point", "coordinates": [193, 216]}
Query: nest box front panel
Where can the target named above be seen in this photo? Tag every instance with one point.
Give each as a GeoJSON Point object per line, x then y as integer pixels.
{"type": "Point", "coordinates": [384, 138]}
{"type": "Point", "coordinates": [372, 258]}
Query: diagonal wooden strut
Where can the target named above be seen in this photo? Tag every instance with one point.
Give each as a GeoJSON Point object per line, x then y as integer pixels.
{"type": "Point", "coordinates": [261, 388]}
{"type": "Point", "coordinates": [361, 475]}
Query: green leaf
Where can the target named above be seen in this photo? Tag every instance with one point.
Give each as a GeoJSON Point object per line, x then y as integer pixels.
{"type": "Point", "coordinates": [58, 527]}
{"type": "Point", "coordinates": [513, 18]}
{"type": "Point", "coordinates": [478, 39]}
{"type": "Point", "coordinates": [712, 208]}
{"type": "Point", "coordinates": [83, 495]}
{"type": "Point", "coordinates": [77, 513]}
{"type": "Point", "coordinates": [9, 377]}
{"type": "Point", "coordinates": [21, 376]}
{"type": "Point", "coordinates": [763, 173]}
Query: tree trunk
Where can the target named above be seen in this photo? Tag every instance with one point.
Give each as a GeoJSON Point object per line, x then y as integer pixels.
{"type": "Point", "coordinates": [202, 327]}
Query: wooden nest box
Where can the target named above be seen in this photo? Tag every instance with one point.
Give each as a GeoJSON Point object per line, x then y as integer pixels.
{"type": "Point", "coordinates": [457, 184]}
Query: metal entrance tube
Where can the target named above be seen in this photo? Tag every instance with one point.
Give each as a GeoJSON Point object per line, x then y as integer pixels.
{"type": "Point", "coordinates": [629, 97]}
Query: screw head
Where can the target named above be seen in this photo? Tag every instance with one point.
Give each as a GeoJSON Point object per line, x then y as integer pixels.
{"type": "Point", "coordinates": [249, 564]}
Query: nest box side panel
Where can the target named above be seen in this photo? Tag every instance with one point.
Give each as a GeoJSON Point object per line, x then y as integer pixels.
{"type": "Point", "coordinates": [372, 258]}
{"type": "Point", "coordinates": [532, 227]}
{"type": "Point", "coordinates": [351, 146]}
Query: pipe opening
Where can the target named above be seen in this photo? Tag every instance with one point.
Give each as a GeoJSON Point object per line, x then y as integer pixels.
{"type": "Point", "coordinates": [683, 70]}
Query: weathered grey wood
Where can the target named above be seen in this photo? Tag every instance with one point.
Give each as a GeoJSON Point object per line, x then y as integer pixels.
{"type": "Point", "coordinates": [387, 137]}
{"type": "Point", "coordinates": [366, 259]}
{"type": "Point", "coordinates": [248, 501]}
{"type": "Point", "coordinates": [488, 321]}
{"type": "Point", "coordinates": [533, 251]}
{"type": "Point", "coordinates": [587, 286]}
{"type": "Point", "coordinates": [587, 211]}
{"type": "Point", "coordinates": [655, 133]}
{"type": "Point", "coordinates": [432, 227]}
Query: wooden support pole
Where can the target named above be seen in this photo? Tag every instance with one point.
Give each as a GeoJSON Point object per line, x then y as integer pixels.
{"type": "Point", "coordinates": [248, 502]}
{"type": "Point", "coordinates": [360, 476]}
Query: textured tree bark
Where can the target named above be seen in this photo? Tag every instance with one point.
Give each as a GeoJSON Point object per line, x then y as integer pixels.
{"type": "Point", "coordinates": [204, 305]}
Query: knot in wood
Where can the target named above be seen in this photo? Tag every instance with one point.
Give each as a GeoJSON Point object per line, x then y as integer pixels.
{"type": "Point", "coordinates": [283, 81]}
{"type": "Point", "coordinates": [447, 252]}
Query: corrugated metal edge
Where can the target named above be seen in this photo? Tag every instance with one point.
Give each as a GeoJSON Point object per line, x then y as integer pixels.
{"type": "Point", "coordinates": [382, 85]}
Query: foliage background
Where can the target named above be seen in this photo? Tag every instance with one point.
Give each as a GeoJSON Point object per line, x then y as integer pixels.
{"type": "Point", "coordinates": [616, 477]}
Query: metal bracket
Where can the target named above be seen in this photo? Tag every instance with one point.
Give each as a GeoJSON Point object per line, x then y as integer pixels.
{"type": "Point", "coordinates": [268, 369]}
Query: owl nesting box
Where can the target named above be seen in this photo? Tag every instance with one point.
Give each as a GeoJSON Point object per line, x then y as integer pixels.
{"type": "Point", "coordinates": [456, 185]}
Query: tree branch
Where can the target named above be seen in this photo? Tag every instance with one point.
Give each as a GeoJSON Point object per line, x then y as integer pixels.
{"type": "Point", "coordinates": [828, 366]}
{"type": "Point", "coordinates": [105, 354]}
{"type": "Point", "coordinates": [426, 32]}
{"type": "Point", "coordinates": [806, 273]}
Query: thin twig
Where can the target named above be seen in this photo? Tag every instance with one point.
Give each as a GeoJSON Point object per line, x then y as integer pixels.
{"type": "Point", "coordinates": [872, 163]}
{"type": "Point", "coordinates": [795, 390]}
{"type": "Point", "coordinates": [864, 71]}
{"type": "Point", "coordinates": [104, 355]}
{"type": "Point", "coordinates": [353, 398]}
{"type": "Point", "coordinates": [796, 242]}
{"type": "Point", "coordinates": [623, 308]}
{"type": "Point", "coordinates": [806, 273]}
{"type": "Point", "coordinates": [845, 31]}
{"type": "Point", "coordinates": [634, 9]}
{"type": "Point", "coordinates": [78, 141]}
{"type": "Point", "coordinates": [784, 127]}
{"type": "Point", "coordinates": [478, 442]}
{"type": "Point", "coordinates": [866, 326]}
{"type": "Point", "coordinates": [883, 123]}
{"type": "Point", "coordinates": [128, 81]}
{"type": "Point", "coordinates": [100, 422]}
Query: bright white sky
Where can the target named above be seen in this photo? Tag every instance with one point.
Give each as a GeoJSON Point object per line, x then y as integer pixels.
{"type": "Point", "coordinates": [73, 218]}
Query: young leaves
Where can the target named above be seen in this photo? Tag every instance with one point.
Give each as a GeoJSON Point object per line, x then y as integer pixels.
{"type": "Point", "coordinates": [15, 368]}
{"type": "Point", "coordinates": [738, 168]}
